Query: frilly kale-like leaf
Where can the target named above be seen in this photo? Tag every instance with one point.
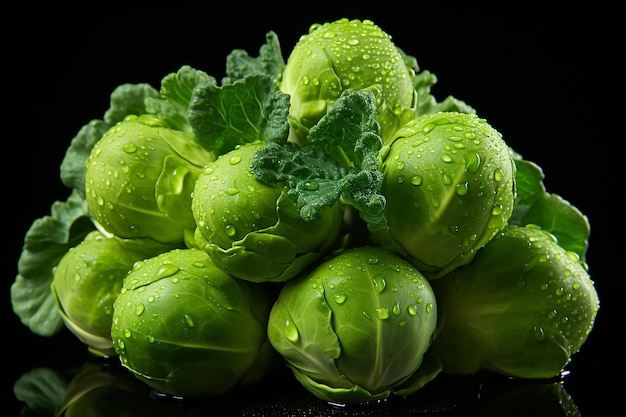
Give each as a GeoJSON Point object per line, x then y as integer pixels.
{"type": "Point", "coordinates": [340, 164]}
{"type": "Point", "coordinates": [427, 103]}
{"type": "Point", "coordinates": [345, 124]}
{"type": "Point", "coordinates": [172, 103]}
{"type": "Point", "coordinates": [45, 243]}
{"type": "Point", "coordinates": [246, 111]}
{"type": "Point", "coordinates": [269, 62]}
{"type": "Point", "coordinates": [552, 213]}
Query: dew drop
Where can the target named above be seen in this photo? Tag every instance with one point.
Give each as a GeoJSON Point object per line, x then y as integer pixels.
{"type": "Point", "coordinates": [290, 331]}
{"type": "Point", "coordinates": [167, 270]}
{"type": "Point", "coordinates": [234, 160]}
{"type": "Point", "coordinates": [379, 283]}
{"type": "Point", "coordinates": [340, 298]}
{"type": "Point", "coordinates": [229, 230]}
{"type": "Point", "coordinates": [472, 162]}
{"type": "Point", "coordinates": [311, 186]}
{"type": "Point", "coordinates": [139, 309]}
{"type": "Point", "coordinates": [428, 127]}
{"type": "Point", "coordinates": [129, 147]}
{"type": "Point", "coordinates": [461, 188]}
{"type": "Point", "coordinates": [396, 309]}
{"type": "Point", "coordinates": [538, 333]}
{"type": "Point", "coordinates": [188, 320]}
{"type": "Point", "coordinates": [382, 313]}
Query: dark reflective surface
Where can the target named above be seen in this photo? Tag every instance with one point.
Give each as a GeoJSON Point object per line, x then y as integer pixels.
{"type": "Point", "coordinates": [544, 79]}
{"type": "Point", "coordinates": [62, 376]}
{"type": "Point", "coordinates": [94, 386]}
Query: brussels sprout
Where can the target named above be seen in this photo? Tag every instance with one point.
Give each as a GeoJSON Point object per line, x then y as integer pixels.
{"type": "Point", "coordinates": [252, 230]}
{"type": "Point", "coordinates": [139, 178]}
{"type": "Point", "coordinates": [521, 308]}
{"type": "Point", "coordinates": [188, 329]}
{"type": "Point", "coordinates": [449, 184]}
{"type": "Point", "coordinates": [356, 328]}
{"type": "Point", "coordinates": [347, 55]}
{"type": "Point", "coordinates": [88, 279]}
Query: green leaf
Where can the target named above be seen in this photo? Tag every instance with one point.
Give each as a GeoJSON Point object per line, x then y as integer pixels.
{"type": "Point", "coordinates": [45, 243]}
{"type": "Point", "coordinates": [551, 212]}
{"type": "Point", "coordinates": [246, 111]}
{"type": "Point", "coordinates": [269, 62]}
{"type": "Point", "coordinates": [172, 103]}
{"type": "Point", "coordinates": [73, 164]}
{"type": "Point", "coordinates": [128, 99]}
{"type": "Point", "coordinates": [428, 104]}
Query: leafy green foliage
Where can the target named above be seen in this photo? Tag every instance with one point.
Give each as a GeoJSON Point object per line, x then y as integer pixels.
{"type": "Point", "coordinates": [269, 62]}
{"type": "Point", "coordinates": [534, 205]}
{"type": "Point", "coordinates": [246, 111]}
{"type": "Point", "coordinates": [45, 243]}
{"type": "Point", "coordinates": [407, 238]}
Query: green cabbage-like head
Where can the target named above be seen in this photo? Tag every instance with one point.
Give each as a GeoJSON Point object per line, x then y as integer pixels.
{"type": "Point", "coordinates": [88, 279]}
{"type": "Point", "coordinates": [449, 181]}
{"type": "Point", "coordinates": [252, 230]}
{"type": "Point", "coordinates": [347, 55]}
{"type": "Point", "coordinates": [188, 329]}
{"type": "Point", "coordinates": [357, 327]}
{"type": "Point", "coordinates": [521, 308]}
{"type": "Point", "coordinates": [139, 178]}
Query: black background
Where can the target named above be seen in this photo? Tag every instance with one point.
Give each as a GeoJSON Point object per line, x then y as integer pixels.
{"type": "Point", "coordinates": [546, 80]}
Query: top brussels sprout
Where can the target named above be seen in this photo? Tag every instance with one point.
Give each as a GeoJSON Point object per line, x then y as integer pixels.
{"type": "Point", "coordinates": [252, 230]}
{"type": "Point", "coordinates": [449, 184]}
{"type": "Point", "coordinates": [139, 178]}
{"type": "Point", "coordinates": [347, 55]}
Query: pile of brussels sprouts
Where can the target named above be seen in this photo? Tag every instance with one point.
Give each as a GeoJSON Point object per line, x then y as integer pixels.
{"type": "Point", "coordinates": [324, 213]}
